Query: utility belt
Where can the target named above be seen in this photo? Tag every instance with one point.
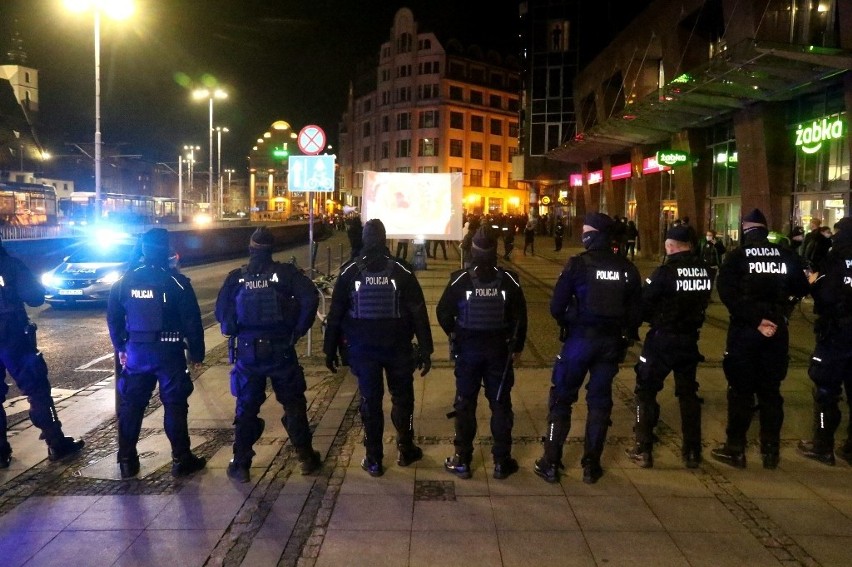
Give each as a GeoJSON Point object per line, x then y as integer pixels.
{"type": "Point", "coordinates": [680, 332]}
{"type": "Point", "coordinates": [252, 350]}
{"type": "Point", "coordinates": [602, 332]}
{"type": "Point", "coordinates": [155, 337]}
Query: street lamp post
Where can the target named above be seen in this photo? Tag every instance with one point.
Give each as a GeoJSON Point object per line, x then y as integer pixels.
{"type": "Point", "coordinates": [180, 188]}
{"type": "Point", "coordinates": [210, 95]}
{"type": "Point", "coordinates": [230, 197]}
{"type": "Point", "coordinates": [190, 163]}
{"type": "Point", "coordinates": [116, 9]}
{"type": "Point", "coordinates": [219, 130]}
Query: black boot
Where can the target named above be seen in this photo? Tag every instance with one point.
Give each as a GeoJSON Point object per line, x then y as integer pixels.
{"type": "Point", "coordinates": [597, 425]}
{"type": "Point", "coordinates": [826, 420]}
{"type": "Point", "coordinates": [690, 420]}
{"type": "Point", "coordinates": [458, 465]}
{"type": "Point", "coordinates": [128, 467]}
{"type": "Point", "coordinates": [239, 472]}
{"type": "Point", "coordinates": [647, 415]}
{"type": "Point", "coordinates": [5, 454]}
{"type": "Point", "coordinates": [64, 447]}
{"type": "Point", "coordinates": [408, 453]}
{"type": "Point", "coordinates": [770, 453]}
{"type": "Point", "coordinates": [740, 411]}
{"type": "Point", "coordinates": [309, 459]}
{"type": "Point", "coordinates": [547, 467]}
{"type": "Point", "coordinates": [187, 464]}
{"type": "Point", "coordinates": [730, 455]}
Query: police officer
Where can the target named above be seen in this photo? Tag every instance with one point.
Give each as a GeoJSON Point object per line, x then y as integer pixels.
{"type": "Point", "coordinates": [264, 308]}
{"type": "Point", "coordinates": [674, 299]}
{"type": "Point", "coordinates": [377, 307]}
{"type": "Point", "coordinates": [759, 283]}
{"type": "Point", "coordinates": [19, 355]}
{"type": "Point", "coordinates": [152, 309]}
{"type": "Point", "coordinates": [484, 312]}
{"type": "Point", "coordinates": [597, 302]}
{"type": "Point", "coordinates": [831, 362]}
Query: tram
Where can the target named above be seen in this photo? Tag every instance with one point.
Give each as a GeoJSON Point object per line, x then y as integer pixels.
{"type": "Point", "coordinates": [79, 208]}
{"type": "Point", "coordinates": [27, 204]}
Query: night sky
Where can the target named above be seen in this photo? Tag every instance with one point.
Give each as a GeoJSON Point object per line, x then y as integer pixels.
{"type": "Point", "coordinates": [278, 59]}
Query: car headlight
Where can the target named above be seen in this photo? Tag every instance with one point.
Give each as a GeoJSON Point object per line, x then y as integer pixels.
{"type": "Point", "coordinates": [49, 280]}
{"type": "Point", "coordinates": [110, 277]}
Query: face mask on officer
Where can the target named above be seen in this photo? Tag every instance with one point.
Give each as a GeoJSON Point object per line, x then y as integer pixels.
{"type": "Point", "coordinates": [596, 230]}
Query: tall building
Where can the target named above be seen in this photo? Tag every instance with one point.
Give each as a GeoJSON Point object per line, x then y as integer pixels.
{"type": "Point", "coordinates": [20, 150]}
{"type": "Point", "coordinates": [432, 106]}
{"type": "Point", "coordinates": [747, 101]}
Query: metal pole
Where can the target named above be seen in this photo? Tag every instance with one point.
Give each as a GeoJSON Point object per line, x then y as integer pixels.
{"type": "Point", "coordinates": [219, 170]}
{"type": "Point", "coordinates": [180, 188]}
{"type": "Point", "coordinates": [210, 161]}
{"type": "Point", "coordinates": [97, 115]}
{"type": "Point", "coordinates": [328, 254]}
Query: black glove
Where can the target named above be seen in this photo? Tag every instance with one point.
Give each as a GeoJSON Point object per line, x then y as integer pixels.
{"type": "Point", "coordinates": [332, 362]}
{"type": "Point", "coordinates": [425, 362]}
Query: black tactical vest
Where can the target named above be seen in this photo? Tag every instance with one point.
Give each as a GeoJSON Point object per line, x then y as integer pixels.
{"type": "Point", "coordinates": [766, 274]}
{"type": "Point", "coordinates": [258, 301]}
{"type": "Point", "coordinates": [685, 310]}
{"type": "Point", "coordinates": [145, 300]}
{"type": "Point", "coordinates": [484, 306]}
{"type": "Point", "coordinates": [606, 287]}
{"type": "Point", "coordinates": [374, 295]}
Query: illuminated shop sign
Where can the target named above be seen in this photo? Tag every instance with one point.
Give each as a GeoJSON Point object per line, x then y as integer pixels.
{"type": "Point", "coordinates": [545, 200]}
{"type": "Point", "coordinates": [672, 157]}
{"type": "Point", "coordinates": [724, 158]}
{"type": "Point", "coordinates": [809, 137]}
{"type": "Point", "coordinates": [622, 171]}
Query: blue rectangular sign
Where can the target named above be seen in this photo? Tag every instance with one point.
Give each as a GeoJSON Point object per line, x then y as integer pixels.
{"type": "Point", "coordinates": [311, 173]}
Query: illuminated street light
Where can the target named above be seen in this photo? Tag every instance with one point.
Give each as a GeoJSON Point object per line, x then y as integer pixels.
{"type": "Point", "coordinates": [210, 95]}
{"type": "Point", "coordinates": [117, 10]}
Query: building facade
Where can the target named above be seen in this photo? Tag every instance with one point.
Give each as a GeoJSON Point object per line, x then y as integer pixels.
{"type": "Point", "coordinates": [432, 107]}
{"type": "Point", "coordinates": [750, 99]}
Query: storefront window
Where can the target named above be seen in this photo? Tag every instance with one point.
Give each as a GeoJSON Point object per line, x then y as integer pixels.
{"type": "Point", "coordinates": [822, 164]}
{"type": "Point", "coordinates": [726, 178]}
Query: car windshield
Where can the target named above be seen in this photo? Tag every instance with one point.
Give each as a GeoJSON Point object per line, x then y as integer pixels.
{"type": "Point", "coordinates": [101, 254]}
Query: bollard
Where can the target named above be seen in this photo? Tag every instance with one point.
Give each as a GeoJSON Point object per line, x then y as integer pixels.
{"type": "Point", "coordinates": [328, 254]}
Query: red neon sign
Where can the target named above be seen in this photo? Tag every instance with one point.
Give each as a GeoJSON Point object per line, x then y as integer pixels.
{"type": "Point", "coordinates": [621, 171]}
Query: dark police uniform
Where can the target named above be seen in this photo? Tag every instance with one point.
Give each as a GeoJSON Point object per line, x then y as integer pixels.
{"type": "Point", "coordinates": [484, 310]}
{"type": "Point", "coordinates": [597, 299]}
{"type": "Point", "coordinates": [377, 307]}
{"type": "Point", "coordinates": [831, 362]}
{"type": "Point", "coordinates": [21, 357]}
{"type": "Point", "coordinates": [266, 307]}
{"type": "Point", "coordinates": [151, 311]}
{"type": "Point", "coordinates": [757, 281]}
{"type": "Point", "coordinates": [674, 300]}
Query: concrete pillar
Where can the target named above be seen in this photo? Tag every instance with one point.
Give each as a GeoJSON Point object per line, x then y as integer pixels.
{"type": "Point", "coordinates": [765, 153]}
{"type": "Point", "coordinates": [647, 207]}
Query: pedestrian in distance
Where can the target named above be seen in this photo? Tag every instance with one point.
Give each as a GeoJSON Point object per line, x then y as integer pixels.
{"type": "Point", "coordinates": [263, 308]}
{"type": "Point", "coordinates": [443, 244]}
{"type": "Point", "coordinates": [20, 356]}
{"type": "Point", "coordinates": [558, 234]}
{"type": "Point", "coordinates": [631, 233]}
{"type": "Point", "coordinates": [712, 251]}
{"type": "Point", "coordinates": [814, 247]}
{"type": "Point", "coordinates": [759, 282]}
{"type": "Point", "coordinates": [353, 233]}
{"type": "Point", "coordinates": [529, 238]}
{"type": "Point", "coordinates": [831, 363]}
{"type": "Point", "coordinates": [674, 301]}
{"type": "Point", "coordinates": [596, 302]}
{"type": "Point", "coordinates": [151, 311]}
{"type": "Point", "coordinates": [377, 308]}
{"type": "Point", "coordinates": [484, 312]}
{"type": "Point", "coordinates": [508, 240]}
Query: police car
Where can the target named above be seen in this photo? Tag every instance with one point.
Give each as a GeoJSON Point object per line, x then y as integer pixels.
{"type": "Point", "coordinates": [87, 274]}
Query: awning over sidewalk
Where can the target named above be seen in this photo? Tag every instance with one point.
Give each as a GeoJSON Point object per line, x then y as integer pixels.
{"type": "Point", "coordinates": [746, 74]}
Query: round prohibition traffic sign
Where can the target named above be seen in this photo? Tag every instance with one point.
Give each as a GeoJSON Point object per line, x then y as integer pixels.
{"type": "Point", "coordinates": [311, 139]}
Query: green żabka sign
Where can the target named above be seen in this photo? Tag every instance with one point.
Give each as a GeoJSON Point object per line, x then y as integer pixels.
{"type": "Point", "coordinates": [672, 158]}
{"type": "Point", "coordinates": [809, 137]}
